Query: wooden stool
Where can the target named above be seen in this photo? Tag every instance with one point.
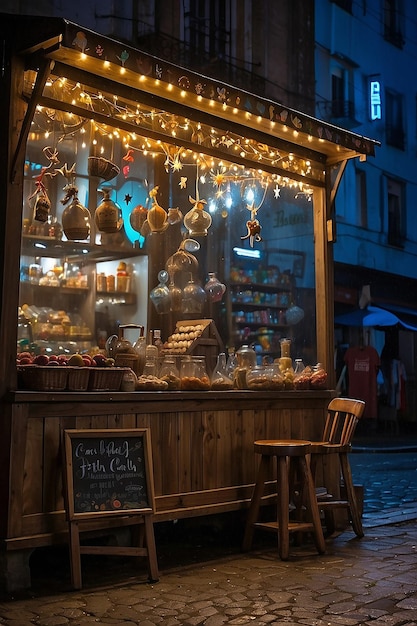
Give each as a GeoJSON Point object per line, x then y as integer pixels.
{"type": "Point", "coordinates": [291, 456]}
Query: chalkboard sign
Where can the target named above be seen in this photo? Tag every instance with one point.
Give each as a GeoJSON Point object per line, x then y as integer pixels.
{"type": "Point", "coordinates": [108, 472]}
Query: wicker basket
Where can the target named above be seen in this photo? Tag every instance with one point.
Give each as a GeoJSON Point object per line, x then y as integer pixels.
{"type": "Point", "coordinates": [105, 378]}
{"type": "Point", "coordinates": [44, 377]}
{"type": "Point", "coordinates": [78, 378]}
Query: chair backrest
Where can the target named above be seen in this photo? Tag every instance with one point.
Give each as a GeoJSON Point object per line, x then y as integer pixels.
{"type": "Point", "coordinates": [343, 415]}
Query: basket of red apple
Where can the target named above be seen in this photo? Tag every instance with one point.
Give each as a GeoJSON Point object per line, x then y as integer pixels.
{"type": "Point", "coordinates": [37, 374]}
{"type": "Point", "coordinates": [76, 372]}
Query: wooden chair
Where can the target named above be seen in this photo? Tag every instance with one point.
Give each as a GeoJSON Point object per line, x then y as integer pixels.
{"type": "Point", "coordinates": [343, 415]}
{"type": "Point", "coordinates": [292, 458]}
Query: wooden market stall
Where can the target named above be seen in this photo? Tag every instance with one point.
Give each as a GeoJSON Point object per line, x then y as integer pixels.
{"type": "Point", "coordinates": [56, 82]}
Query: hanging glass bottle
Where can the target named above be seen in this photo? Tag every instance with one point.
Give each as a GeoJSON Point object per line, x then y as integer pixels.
{"type": "Point", "coordinates": [107, 215]}
{"type": "Point", "coordinates": [157, 216]}
{"type": "Point", "coordinates": [75, 217]}
{"type": "Point", "coordinates": [160, 295]}
{"type": "Point", "coordinates": [197, 220]}
{"type": "Point", "coordinates": [214, 288]}
{"type": "Point", "coordinates": [193, 298]}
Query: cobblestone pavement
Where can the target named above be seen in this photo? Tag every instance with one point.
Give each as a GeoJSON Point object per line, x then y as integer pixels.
{"type": "Point", "coordinates": [206, 580]}
{"type": "Point", "coordinates": [368, 581]}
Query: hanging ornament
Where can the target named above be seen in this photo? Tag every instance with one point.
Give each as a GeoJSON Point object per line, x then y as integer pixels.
{"type": "Point", "coordinates": [129, 158]}
{"type": "Point", "coordinates": [214, 288]}
{"type": "Point", "coordinates": [197, 221]}
{"type": "Point", "coordinates": [137, 217]}
{"type": "Point", "coordinates": [107, 216]}
{"type": "Point", "coordinates": [75, 217]}
{"type": "Point", "coordinates": [101, 167]}
{"type": "Point", "coordinates": [157, 216]}
{"type": "Point", "coordinates": [182, 260]}
{"type": "Point", "coordinates": [174, 216]}
{"type": "Point", "coordinates": [253, 226]}
{"type": "Point", "coordinates": [160, 295]}
{"type": "Point", "coordinates": [42, 204]}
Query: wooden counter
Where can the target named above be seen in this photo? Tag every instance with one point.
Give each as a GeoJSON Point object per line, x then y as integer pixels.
{"type": "Point", "coordinates": [202, 448]}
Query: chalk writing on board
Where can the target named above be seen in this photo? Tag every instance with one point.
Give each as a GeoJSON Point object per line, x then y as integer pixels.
{"type": "Point", "coordinates": [109, 474]}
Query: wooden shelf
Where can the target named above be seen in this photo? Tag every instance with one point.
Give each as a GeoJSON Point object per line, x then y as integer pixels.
{"type": "Point", "coordinates": [38, 246]}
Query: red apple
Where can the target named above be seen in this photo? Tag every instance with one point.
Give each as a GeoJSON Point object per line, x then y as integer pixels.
{"type": "Point", "coordinates": [87, 360]}
{"type": "Point", "coordinates": [25, 361]}
{"type": "Point", "coordinates": [62, 359]}
{"type": "Point", "coordinates": [53, 357]}
{"type": "Point", "coordinates": [25, 355]}
{"type": "Point", "coordinates": [41, 359]}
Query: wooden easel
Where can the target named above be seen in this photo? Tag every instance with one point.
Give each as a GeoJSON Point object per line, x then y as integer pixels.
{"type": "Point", "coordinates": [125, 494]}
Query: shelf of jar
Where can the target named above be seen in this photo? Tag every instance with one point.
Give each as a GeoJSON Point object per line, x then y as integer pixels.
{"type": "Point", "coordinates": [64, 290]}
{"type": "Point", "coordinates": [262, 286]}
{"type": "Point", "coordinates": [262, 306]}
{"type": "Point", "coordinates": [269, 325]}
{"type": "Point", "coordinates": [117, 297]}
{"type": "Point", "coordinates": [43, 246]}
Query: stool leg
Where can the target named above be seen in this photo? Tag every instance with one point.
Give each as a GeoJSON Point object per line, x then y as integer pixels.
{"type": "Point", "coordinates": [312, 506]}
{"type": "Point", "coordinates": [283, 500]}
{"type": "Point", "coordinates": [351, 495]}
{"type": "Point", "coordinates": [253, 510]}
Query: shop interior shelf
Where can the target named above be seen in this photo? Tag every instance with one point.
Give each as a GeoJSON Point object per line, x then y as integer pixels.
{"type": "Point", "coordinates": [35, 245]}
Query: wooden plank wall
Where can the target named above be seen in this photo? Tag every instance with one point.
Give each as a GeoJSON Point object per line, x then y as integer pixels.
{"type": "Point", "coordinates": [203, 459]}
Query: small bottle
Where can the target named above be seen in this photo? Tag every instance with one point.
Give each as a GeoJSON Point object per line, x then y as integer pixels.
{"type": "Point", "coordinates": [157, 341]}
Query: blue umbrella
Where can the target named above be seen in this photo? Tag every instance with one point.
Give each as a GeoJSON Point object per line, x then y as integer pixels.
{"type": "Point", "coordinates": [371, 316]}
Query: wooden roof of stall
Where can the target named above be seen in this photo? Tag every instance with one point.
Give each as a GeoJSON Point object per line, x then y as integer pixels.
{"type": "Point", "coordinates": [161, 83]}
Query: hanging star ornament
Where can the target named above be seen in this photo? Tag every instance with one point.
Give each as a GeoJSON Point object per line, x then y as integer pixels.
{"type": "Point", "coordinates": [128, 198]}
{"type": "Point", "coordinates": [277, 192]}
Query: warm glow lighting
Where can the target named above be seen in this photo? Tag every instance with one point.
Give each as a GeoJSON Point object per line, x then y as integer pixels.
{"type": "Point", "coordinates": [169, 87]}
{"type": "Point", "coordinates": [142, 78]}
{"type": "Point", "coordinates": [183, 93]}
{"type": "Point", "coordinates": [106, 63]}
{"type": "Point", "coordinates": [235, 110]}
{"type": "Point", "coordinates": [122, 70]}
{"type": "Point", "coordinates": [83, 56]}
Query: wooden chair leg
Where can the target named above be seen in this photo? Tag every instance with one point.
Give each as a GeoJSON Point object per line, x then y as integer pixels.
{"type": "Point", "coordinates": [351, 495]}
{"type": "Point", "coordinates": [283, 501]}
{"type": "Point", "coordinates": [253, 510]}
{"type": "Point", "coordinates": [312, 508]}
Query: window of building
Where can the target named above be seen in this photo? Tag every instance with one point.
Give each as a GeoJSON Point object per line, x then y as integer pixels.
{"type": "Point", "coordinates": [393, 27]}
{"type": "Point", "coordinates": [394, 120]}
{"type": "Point", "coordinates": [396, 212]}
{"type": "Point", "coordinates": [361, 198]}
{"type": "Point", "coordinates": [342, 104]}
{"type": "Point", "coordinates": [207, 28]}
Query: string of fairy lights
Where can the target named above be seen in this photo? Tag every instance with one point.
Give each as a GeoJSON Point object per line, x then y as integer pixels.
{"type": "Point", "coordinates": [221, 172]}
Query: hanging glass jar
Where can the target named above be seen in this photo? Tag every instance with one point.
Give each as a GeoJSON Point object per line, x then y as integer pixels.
{"type": "Point", "coordinates": [107, 215]}
{"type": "Point", "coordinates": [160, 295]}
{"type": "Point", "coordinates": [193, 298]}
{"type": "Point", "coordinates": [214, 288]}
{"type": "Point", "coordinates": [182, 260]}
{"type": "Point", "coordinates": [75, 217]}
{"type": "Point", "coordinates": [157, 216]}
{"type": "Point", "coordinates": [197, 221]}
{"type": "Point", "coordinates": [137, 217]}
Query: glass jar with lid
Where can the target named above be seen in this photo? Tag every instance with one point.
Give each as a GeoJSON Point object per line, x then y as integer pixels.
{"type": "Point", "coordinates": [193, 374]}
{"type": "Point", "coordinates": [257, 379]}
{"type": "Point", "coordinates": [246, 359]}
{"type": "Point", "coordinates": [170, 373]}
